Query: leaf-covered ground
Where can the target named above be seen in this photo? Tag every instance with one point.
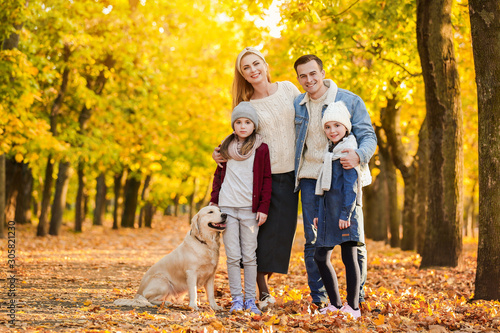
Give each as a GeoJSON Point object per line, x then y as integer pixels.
{"type": "Point", "coordinates": [69, 283]}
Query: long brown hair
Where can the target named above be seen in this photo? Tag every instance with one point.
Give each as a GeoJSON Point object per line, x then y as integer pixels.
{"type": "Point", "coordinates": [242, 89]}
{"type": "Point", "coordinates": [245, 148]}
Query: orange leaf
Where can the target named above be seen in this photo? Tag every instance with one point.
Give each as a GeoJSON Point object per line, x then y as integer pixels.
{"type": "Point", "coordinates": [380, 320]}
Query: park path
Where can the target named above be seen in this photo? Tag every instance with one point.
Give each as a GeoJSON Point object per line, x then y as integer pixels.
{"type": "Point", "coordinates": [69, 283]}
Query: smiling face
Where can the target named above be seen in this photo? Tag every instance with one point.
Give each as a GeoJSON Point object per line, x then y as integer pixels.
{"type": "Point", "coordinates": [335, 131]}
{"type": "Point", "coordinates": [310, 77]}
{"type": "Point", "coordinates": [243, 128]}
{"type": "Point", "coordinates": [253, 69]}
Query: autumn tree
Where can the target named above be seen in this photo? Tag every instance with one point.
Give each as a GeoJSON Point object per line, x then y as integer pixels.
{"type": "Point", "coordinates": [20, 127]}
{"type": "Point", "coordinates": [443, 243]}
{"type": "Point", "coordinates": [8, 41]}
{"type": "Point", "coordinates": [369, 49]}
{"type": "Point", "coordinates": [485, 26]}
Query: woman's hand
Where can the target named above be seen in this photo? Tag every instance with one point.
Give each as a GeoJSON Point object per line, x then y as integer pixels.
{"type": "Point", "coordinates": [261, 218]}
{"type": "Point", "coordinates": [344, 224]}
{"type": "Point", "coordinates": [218, 157]}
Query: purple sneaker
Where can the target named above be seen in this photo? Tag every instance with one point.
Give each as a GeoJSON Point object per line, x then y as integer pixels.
{"type": "Point", "coordinates": [237, 305]}
{"type": "Point", "coordinates": [250, 305]}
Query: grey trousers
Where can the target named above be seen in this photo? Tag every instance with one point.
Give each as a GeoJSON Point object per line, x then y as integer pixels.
{"type": "Point", "coordinates": [240, 242]}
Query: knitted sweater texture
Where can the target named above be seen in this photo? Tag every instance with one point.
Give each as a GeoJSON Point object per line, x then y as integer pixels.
{"type": "Point", "coordinates": [277, 125]}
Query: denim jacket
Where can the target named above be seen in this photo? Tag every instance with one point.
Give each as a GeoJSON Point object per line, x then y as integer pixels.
{"type": "Point", "coordinates": [361, 123]}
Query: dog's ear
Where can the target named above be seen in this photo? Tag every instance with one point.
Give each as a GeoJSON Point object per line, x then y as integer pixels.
{"type": "Point", "coordinates": [195, 225]}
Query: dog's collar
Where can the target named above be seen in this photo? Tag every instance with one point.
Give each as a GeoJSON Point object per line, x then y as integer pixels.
{"type": "Point", "coordinates": [199, 240]}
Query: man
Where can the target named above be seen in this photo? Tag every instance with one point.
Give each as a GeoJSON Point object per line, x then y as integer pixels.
{"type": "Point", "coordinates": [310, 145]}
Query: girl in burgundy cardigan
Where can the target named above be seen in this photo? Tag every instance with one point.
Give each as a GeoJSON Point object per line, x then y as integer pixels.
{"type": "Point", "coordinates": [242, 190]}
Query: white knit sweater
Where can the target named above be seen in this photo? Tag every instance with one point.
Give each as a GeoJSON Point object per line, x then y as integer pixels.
{"type": "Point", "coordinates": [315, 141]}
{"type": "Point", "coordinates": [277, 125]}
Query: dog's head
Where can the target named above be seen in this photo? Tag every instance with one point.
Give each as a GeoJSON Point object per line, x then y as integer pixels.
{"type": "Point", "coordinates": [209, 220]}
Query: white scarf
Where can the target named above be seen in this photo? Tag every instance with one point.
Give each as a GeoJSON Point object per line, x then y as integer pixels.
{"type": "Point", "coordinates": [325, 176]}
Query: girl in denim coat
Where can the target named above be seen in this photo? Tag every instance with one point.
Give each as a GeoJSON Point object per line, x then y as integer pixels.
{"type": "Point", "coordinates": [340, 217]}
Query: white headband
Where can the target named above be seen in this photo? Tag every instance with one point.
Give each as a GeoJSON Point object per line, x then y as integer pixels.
{"type": "Point", "coordinates": [244, 52]}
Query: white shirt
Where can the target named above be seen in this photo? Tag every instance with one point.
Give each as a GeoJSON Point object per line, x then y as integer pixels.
{"type": "Point", "coordinates": [237, 187]}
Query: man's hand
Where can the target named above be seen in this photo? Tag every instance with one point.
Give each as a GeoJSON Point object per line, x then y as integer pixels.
{"type": "Point", "coordinates": [218, 157]}
{"type": "Point", "coordinates": [351, 160]}
{"type": "Point", "coordinates": [261, 217]}
{"type": "Point", "coordinates": [344, 224]}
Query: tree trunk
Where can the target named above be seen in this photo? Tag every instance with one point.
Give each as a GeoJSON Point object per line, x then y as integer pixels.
{"type": "Point", "coordinates": [2, 195]}
{"type": "Point", "coordinates": [407, 165]}
{"type": "Point", "coordinates": [100, 199]}
{"type": "Point", "coordinates": [35, 207]}
{"type": "Point", "coordinates": [470, 212]}
{"type": "Point", "coordinates": [59, 203]}
{"type": "Point", "coordinates": [144, 199]}
{"type": "Point", "coordinates": [443, 243]}
{"type": "Point", "coordinates": [24, 196]}
{"type": "Point", "coordinates": [390, 118]}
{"type": "Point", "coordinates": [9, 43]}
{"type": "Point", "coordinates": [49, 170]}
{"type": "Point", "coordinates": [85, 204]}
{"type": "Point", "coordinates": [96, 85]}
{"type": "Point", "coordinates": [130, 206]}
{"type": "Point", "coordinates": [192, 198]}
{"type": "Point", "coordinates": [392, 189]}
{"type": "Point", "coordinates": [13, 184]}
{"type": "Point", "coordinates": [149, 211]}
{"type": "Point", "coordinates": [422, 170]}
{"type": "Point", "coordinates": [176, 204]}
{"type": "Point", "coordinates": [485, 28]}
{"type": "Point", "coordinates": [119, 179]}
{"type": "Point", "coordinates": [394, 213]}
{"type": "Point", "coordinates": [46, 196]}
{"type": "Point", "coordinates": [80, 198]}
{"type": "Point", "coordinates": [375, 205]}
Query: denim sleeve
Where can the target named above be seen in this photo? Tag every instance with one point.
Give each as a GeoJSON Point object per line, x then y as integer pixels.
{"type": "Point", "coordinates": [349, 191]}
{"type": "Point", "coordinates": [363, 131]}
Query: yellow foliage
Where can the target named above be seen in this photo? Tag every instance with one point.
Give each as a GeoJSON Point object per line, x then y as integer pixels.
{"type": "Point", "coordinates": [19, 157]}
{"type": "Point", "coordinates": [155, 166]}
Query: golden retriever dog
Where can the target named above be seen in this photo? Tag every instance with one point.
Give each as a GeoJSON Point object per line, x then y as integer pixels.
{"type": "Point", "coordinates": [193, 263]}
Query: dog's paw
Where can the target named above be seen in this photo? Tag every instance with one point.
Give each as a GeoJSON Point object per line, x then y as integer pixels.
{"type": "Point", "coordinates": [217, 307]}
{"type": "Point", "coordinates": [194, 307]}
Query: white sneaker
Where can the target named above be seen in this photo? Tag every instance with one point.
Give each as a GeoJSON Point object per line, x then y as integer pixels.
{"type": "Point", "coordinates": [266, 301]}
{"type": "Point", "coordinates": [328, 308]}
{"type": "Point", "coordinates": [348, 310]}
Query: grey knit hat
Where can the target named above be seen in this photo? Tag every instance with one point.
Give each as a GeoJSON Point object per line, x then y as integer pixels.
{"type": "Point", "coordinates": [245, 110]}
{"type": "Point", "coordinates": [337, 112]}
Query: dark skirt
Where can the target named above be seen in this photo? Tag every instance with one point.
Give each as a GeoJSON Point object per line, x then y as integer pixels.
{"type": "Point", "coordinates": [276, 236]}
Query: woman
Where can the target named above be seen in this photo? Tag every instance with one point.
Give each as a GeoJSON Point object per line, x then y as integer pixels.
{"type": "Point", "coordinates": [274, 105]}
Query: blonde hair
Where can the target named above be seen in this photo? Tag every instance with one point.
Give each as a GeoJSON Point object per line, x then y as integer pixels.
{"type": "Point", "coordinates": [246, 147]}
{"type": "Point", "coordinates": [242, 89]}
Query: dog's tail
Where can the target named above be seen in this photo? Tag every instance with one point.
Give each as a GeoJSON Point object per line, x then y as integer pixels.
{"type": "Point", "coordinates": [138, 300]}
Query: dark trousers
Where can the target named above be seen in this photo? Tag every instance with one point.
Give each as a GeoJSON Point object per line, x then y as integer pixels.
{"type": "Point", "coordinates": [322, 257]}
